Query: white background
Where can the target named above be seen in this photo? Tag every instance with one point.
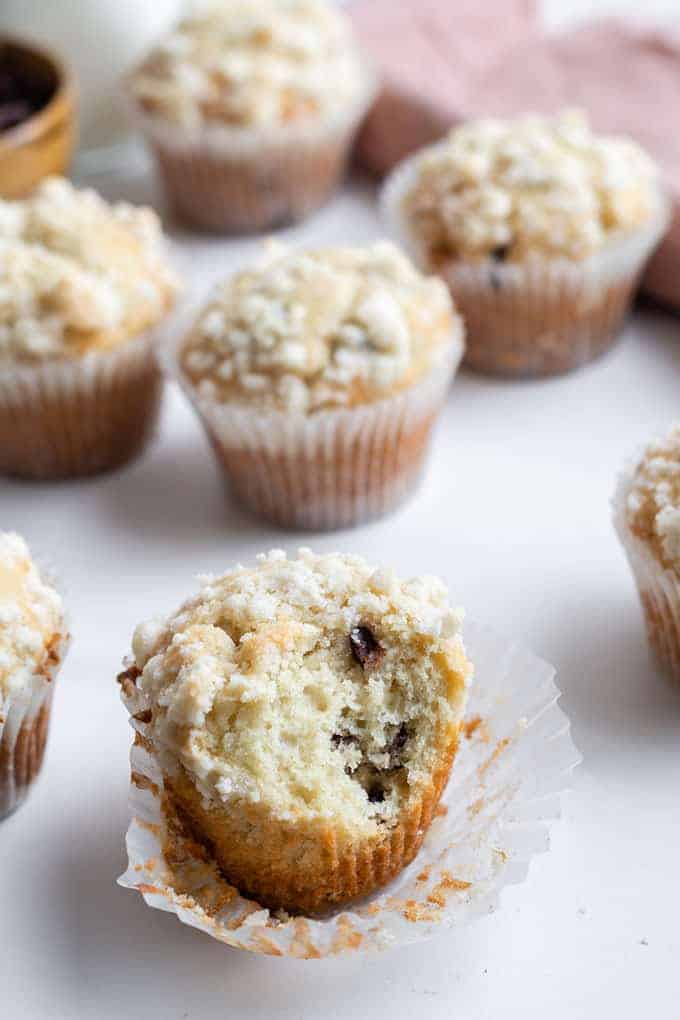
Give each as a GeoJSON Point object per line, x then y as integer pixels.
{"type": "Point", "coordinates": [514, 514]}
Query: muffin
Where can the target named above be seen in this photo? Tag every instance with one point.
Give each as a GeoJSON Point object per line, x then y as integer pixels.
{"type": "Point", "coordinates": [318, 376]}
{"type": "Point", "coordinates": [251, 110]}
{"type": "Point", "coordinates": [304, 715]}
{"type": "Point", "coordinates": [540, 228]}
{"type": "Point", "coordinates": [32, 644]}
{"type": "Point", "coordinates": [83, 285]}
{"type": "Point", "coordinates": [647, 518]}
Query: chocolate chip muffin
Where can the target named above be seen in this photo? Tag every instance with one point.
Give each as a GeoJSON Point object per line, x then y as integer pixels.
{"type": "Point", "coordinates": [33, 639]}
{"type": "Point", "coordinates": [319, 375]}
{"type": "Point", "coordinates": [84, 285]}
{"type": "Point", "coordinates": [647, 518]}
{"type": "Point", "coordinates": [305, 715]}
{"type": "Point", "coordinates": [541, 228]}
{"type": "Point", "coordinates": [251, 109]}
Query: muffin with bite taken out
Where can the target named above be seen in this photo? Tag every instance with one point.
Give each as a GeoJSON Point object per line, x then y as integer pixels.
{"type": "Point", "coordinates": [304, 715]}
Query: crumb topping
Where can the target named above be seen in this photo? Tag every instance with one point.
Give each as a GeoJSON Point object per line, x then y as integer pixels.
{"type": "Point", "coordinates": [534, 186]}
{"type": "Point", "coordinates": [317, 685]}
{"type": "Point", "coordinates": [653, 507]}
{"type": "Point", "coordinates": [31, 617]}
{"type": "Point", "coordinates": [316, 329]}
{"type": "Point", "coordinates": [77, 273]}
{"type": "Point", "coordinates": [243, 64]}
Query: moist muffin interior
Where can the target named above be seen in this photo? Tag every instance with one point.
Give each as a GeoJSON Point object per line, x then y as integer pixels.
{"type": "Point", "coordinates": [316, 687]}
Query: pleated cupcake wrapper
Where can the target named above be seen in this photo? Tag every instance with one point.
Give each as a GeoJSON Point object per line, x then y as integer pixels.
{"type": "Point", "coordinates": [505, 789]}
{"type": "Point", "coordinates": [24, 723]}
{"type": "Point", "coordinates": [246, 179]}
{"type": "Point", "coordinates": [659, 588]}
{"type": "Point", "coordinates": [333, 469]}
{"type": "Point", "coordinates": [80, 416]}
{"type": "Point", "coordinates": [544, 317]}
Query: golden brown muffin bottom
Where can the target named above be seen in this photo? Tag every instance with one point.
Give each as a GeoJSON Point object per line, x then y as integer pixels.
{"type": "Point", "coordinates": [305, 867]}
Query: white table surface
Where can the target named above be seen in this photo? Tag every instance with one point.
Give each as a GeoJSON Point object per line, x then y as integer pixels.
{"type": "Point", "coordinates": [514, 514]}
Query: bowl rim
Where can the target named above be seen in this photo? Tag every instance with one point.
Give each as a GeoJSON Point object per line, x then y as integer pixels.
{"type": "Point", "coordinates": [63, 96]}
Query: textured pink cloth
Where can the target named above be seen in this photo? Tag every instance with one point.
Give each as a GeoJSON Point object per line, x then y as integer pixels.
{"type": "Point", "coordinates": [626, 77]}
{"type": "Point", "coordinates": [430, 52]}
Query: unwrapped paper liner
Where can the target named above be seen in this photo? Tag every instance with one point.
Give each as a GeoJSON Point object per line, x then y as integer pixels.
{"type": "Point", "coordinates": [504, 791]}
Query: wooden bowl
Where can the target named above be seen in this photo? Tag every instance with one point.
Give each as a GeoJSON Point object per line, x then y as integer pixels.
{"type": "Point", "coordinates": [43, 143]}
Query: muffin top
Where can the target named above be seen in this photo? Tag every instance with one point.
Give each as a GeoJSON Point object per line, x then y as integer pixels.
{"type": "Point", "coordinates": [249, 65]}
{"type": "Point", "coordinates": [77, 274]}
{"type": "Point", "coordinates": [510, 190]}
{"type": "Point", "coordinates": [653, 505]}
{"type": "Point", "coordinates": [31, 619]}
{"type": "Point", "coordinates": [320, 329]}
{"type": "Point", "coordinates": [318, 687]}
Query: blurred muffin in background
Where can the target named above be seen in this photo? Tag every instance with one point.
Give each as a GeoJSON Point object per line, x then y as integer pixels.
{"type": "Point", "coordinates": [319, 376]}
{"type": "Point", "coordinates": [33, 641]}
{"type": "Point", "coordinates": [540, 228]}
{"type": "Point", "coordinates": [83, 287]}
{"type": "Point", "coordinates": [647, 518]}
{"type": "Point", "coordinates": [251, 110]}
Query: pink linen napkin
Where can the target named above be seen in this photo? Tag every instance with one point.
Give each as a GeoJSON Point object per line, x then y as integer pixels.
{"type": "Point", "coordinates": [429, 53]}
{"type": "Point", "coordinates": [627, 77]}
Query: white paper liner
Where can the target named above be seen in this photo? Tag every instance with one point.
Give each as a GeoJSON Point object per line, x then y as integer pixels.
{"type": "Point", "coordinates": [333, 469]}
{"type": "Point", "coordinates": [659, 588]}
{"type": "Point", "coordinates": [81, 415]}
{"type": "Point", "coordinates": [18, 712]}
{"type": "Point", "coordinates": [546, 316]}
{"type": "Point", "coordinates": [240, 179]}
{"type": "Point", "coordinates": [504, 791]}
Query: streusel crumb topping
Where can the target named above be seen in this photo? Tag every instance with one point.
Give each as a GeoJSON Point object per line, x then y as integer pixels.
{"type": "Point", "coordinates": [317, 685]}
{"type": "Point", "coordinates": [510, 190]}
{"type": "Point", "coordinates": [77, 273]}
{"type": "Point", "coordinates": [31, 617]}
{"type": "Point", "coordinates": [653, 509]}
{"type": "Point", "coordinates": [246, 64]}
{"type": "Point", "coordinates": [316, 329]}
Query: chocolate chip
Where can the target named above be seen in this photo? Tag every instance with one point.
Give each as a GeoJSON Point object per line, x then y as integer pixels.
{"type": "Point", "coordinates": [397, 745]}
{"type": "Point", "coordinates": [501, 253]}
{"type": "Point", "coordinates": [343, 740]}
{"type": "Point", "coordinates": [376, 794]}
{"type": "Point", "coordinates": [128, 680]}
{"type": "Point", "coordinates": [498, 254]}
{"type": "Point", "coordinates": [366, 649]}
